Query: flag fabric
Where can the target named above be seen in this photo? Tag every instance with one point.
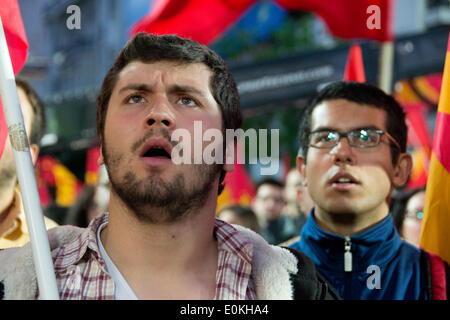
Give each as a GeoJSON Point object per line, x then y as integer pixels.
{"type": "Point", "coordinates": [54, 174]}
{"type": "Point", "coordinates": [92, 167]}
{"type": "Point", "coordinates": [350, 19]}
{"type": "Point", "coordinates": [419, 173]}
{"type": "Point", "coordinates": [354, 68]}
{"type": "Point", "coordinates": [435, 235]}
{"type": "Point", "coordinates": [204, 21]}
{"type": "Point", "coordinates": [199, 20]}
{"type": "Point", "coordinates": [418, 96]}
{"type": "Point", "coordinates": [18, 50]}
{"type": "Point", "coordinates": [419, 139]}
{"type": "Point", "coordinates": [239, 187]}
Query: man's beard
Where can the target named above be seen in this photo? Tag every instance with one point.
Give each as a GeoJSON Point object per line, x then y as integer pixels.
{"type": "Point", "coordinates": [155, 200]}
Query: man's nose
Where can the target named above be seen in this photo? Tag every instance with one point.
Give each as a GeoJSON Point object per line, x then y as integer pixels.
{"type": "Point", "coordinates": [343, 152]}
{"type": "Point", "coordinates": [160, 114]}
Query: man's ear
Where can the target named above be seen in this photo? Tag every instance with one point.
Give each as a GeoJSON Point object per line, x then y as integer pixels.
{"type": "Point", "coordinates": [34, 151]}
{"type": "Point", "coordinates": [301, 167]}
{"type": "Point", "coordinates": [402, 170]}
{"type": "Point", "coordinates": [100, 160]}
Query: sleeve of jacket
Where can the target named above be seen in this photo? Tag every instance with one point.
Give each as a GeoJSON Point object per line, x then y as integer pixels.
{"type": "Point", "coordinates": [308, 283]}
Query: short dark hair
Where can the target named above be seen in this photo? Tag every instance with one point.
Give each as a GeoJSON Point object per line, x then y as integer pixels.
{"type": "Point", "coordinates": [362, 94]}
{"type": "Point", "coordinates": [38, 121]}
{"type": "Point", "coordinates": [269, 181]}
{"type": "Point", "coordinates": [245, 214]}
{"type": "Point", "coordinates": [149, 48]}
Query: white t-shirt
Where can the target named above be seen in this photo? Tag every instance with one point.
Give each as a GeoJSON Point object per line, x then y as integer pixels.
{"type": "Point", "coordinates": [122, 290]}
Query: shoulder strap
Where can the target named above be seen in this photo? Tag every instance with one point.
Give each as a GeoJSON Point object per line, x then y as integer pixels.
{"type": "Point", "coordinates": [308, 283]}
{"type": "Point", "coordinates": [438, 276]}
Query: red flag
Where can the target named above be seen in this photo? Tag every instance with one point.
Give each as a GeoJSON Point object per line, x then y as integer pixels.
{"type": "Point", "coordinates": [354, 68]}
{"type": "Point", "coordinates": [350, 19]}
{"type": "Point", "coordinates": [239, 188]}
{"type": "Point", "coordinates": [198, 20]}
{"type": "Point", "coordinates": [18, 50]}
{"type": "Point", "coordinates": [204, 21]}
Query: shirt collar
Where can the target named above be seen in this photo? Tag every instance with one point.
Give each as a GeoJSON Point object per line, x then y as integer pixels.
{"type": "Point", "coordinates": [75, 250]}
{"type": "Point", "coordinates": [229, 239]}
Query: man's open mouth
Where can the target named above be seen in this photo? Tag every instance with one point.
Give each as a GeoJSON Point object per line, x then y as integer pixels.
{"type": "Point", "coordinates": [156, 152]}
{"type": "Point", "coordinates": [157, 148]}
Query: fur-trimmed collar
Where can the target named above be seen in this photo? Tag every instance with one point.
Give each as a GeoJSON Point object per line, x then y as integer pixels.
{"type": "Point", "coordinates": [272, 266]}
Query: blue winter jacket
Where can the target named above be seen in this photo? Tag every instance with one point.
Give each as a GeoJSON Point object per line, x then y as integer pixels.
{"type": "Point", "coordinates": [380, 265]}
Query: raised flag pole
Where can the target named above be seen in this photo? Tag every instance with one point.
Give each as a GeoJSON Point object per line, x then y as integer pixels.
{"type": "Point", "coordinates": [25, 172]}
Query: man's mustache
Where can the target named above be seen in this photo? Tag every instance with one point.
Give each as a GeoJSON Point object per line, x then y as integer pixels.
{"type": "Point", "coordinates": [152, 132]}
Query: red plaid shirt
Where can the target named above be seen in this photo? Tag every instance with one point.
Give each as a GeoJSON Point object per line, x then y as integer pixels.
{"type": "Point", "coordinates": [81, 273]}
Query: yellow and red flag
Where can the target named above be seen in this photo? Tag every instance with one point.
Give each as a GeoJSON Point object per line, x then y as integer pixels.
{"type": "Point", "coordinates": [435, 236]}
{"type": "Point", "coordinates": [92, 167]}
{"type": "Point", "coordinates": [52, 173]}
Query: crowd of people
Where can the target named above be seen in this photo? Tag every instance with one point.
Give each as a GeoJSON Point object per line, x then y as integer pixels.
{"type": "Point", "coordinates": [333, 230]}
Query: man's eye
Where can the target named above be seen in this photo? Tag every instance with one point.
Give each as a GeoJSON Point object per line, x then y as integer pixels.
{"type": "Point", "coordinates": [327, 136]}
{"type": "Point", "coordinates": [364, 136]}
{"type": "Point", "coordinates": [135, 98]}
{"type": "Point", "coordinates": [187, 101]}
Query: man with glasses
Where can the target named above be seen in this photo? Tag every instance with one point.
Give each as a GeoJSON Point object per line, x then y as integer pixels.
{"type": "Point", "coordinates": [353, 138]}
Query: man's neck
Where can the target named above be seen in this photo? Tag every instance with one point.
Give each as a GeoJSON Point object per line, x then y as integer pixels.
{"type": "Point", "coordinates": [153, 255]}
{"type": "Point", "coordinates": [348, 224]}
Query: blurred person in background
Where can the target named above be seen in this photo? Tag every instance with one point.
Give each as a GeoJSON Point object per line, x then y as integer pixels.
{"type": "Point", "coordinates": [299, 202]}
{"type": "Point", "coordinates": [240, 215]}
{"type": "Point", "coordinates": [268, 206]}
{"type": "Point", "coordinates": [292, 208]}
{"type": "Point", "coordinates": [407, 210]}
{"type": "Point", "coordinates": [303, 203]}
{"type": "Point", "coordinates": [13, 224]}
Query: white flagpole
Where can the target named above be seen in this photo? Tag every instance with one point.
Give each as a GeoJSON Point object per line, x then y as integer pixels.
{"type": "Point", "coordinates": [386, 66]}
{"type": "Point", "coordinates": [25, 172]}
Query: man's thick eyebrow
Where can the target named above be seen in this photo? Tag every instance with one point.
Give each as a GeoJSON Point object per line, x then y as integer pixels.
{"type": "Point", "coordinates": [186, 89]}
{"type": "Point", "coordinates": [137, 87]}
{"type": "Point", "coordinates": [320, 129]}
{"type": "Point", "coordinates": [372, 127]}
{"type": "Point", "coordinates": [175, 88]}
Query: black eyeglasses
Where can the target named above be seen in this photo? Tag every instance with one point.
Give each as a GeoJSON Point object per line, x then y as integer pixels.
{"type": "Point", "coordinates": [359, 138]}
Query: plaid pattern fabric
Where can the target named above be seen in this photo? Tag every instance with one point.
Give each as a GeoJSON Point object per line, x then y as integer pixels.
{"type": "Point", "coordinates": [233, 281]}
{"type": "Point", "coordinates": [81, 273]}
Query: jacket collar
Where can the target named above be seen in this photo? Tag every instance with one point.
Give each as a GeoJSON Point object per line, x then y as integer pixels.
{"type": "Point", "coordinates": [375, 246]}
